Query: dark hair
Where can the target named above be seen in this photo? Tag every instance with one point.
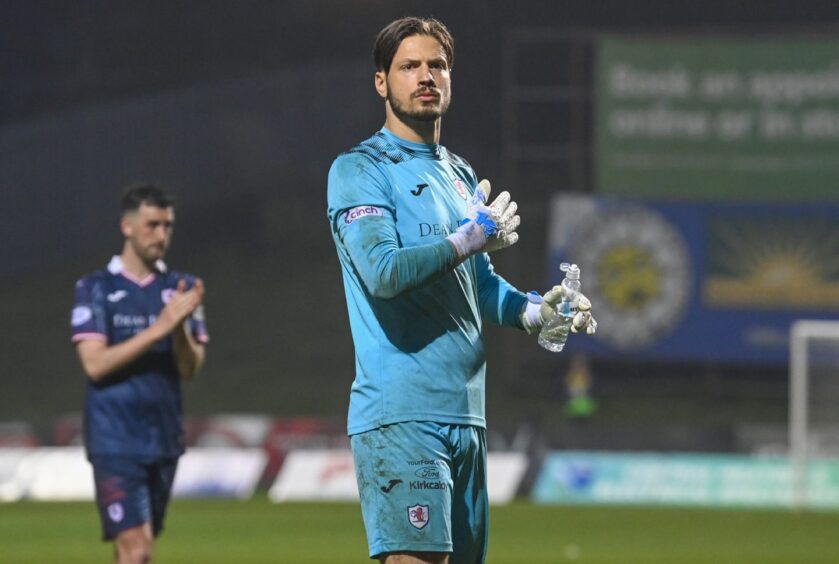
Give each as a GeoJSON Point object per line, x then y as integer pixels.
{"type": "Point", "coordinates": [389, 39]}
{"type": "Point", "coordinates": [148, 194]}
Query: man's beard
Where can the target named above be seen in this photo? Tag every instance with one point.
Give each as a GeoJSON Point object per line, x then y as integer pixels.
{"type": "Point", "coordinates": [423, 114]}
{"type": "Point", "coordinates": [151, 254]}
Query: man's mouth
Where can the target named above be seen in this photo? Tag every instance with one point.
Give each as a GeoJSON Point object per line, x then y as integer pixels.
{"type": "Point", "coordinates": [427, 95]}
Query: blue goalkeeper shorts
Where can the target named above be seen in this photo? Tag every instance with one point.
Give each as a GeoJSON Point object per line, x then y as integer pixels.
{"type": "Point", "coordinates": [423, 489]}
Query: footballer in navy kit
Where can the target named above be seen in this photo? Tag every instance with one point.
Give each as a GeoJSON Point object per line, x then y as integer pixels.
{"type": "Point", "coordinates": [413, 228]}
{"type": "Point", "coordinates": [138, 330]}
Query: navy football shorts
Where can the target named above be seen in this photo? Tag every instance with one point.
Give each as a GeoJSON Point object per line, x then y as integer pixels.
{"type": "Point", "coordinates": [132, 491]}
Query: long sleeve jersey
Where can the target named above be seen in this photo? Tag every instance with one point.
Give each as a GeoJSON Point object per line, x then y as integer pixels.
{"type": "Point", "coordinates": [416, 313]}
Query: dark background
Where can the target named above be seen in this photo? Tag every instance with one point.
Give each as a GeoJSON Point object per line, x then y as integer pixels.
{"type": "Point", "coordinates": [239, 108]}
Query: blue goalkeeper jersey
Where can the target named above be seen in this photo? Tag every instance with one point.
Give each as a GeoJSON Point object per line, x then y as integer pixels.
{"type": "Point", "coordinates": [136, 410]}
{"type": "Point", "coordinates": [416, 314]}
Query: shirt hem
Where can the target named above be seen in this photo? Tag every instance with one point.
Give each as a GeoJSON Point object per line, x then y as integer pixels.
{"type": "Point", "coordinates": [134, 454]}
{"type": "Point", "coordinates": [437, 418]}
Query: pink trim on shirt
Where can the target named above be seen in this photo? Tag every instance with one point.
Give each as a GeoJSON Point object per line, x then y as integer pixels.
{"type": "Point", "coordinates": [202, 338]}
{"type": "Point", "coordinates": [148, 279]}
{"type": "Point", "coordinates": [90, 337]}
{"type": "Point", "coordinates": [117, 267]}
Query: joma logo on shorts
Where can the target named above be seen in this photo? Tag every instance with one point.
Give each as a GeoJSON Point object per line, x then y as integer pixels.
{"type": "Point", "coordinates": [390, 485]}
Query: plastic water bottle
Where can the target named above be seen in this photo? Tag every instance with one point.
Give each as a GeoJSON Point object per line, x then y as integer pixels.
{"type": "Point", "coordinates": [555, 331]}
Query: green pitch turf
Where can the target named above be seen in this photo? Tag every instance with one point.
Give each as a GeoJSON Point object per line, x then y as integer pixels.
{"type": "Point", "coordinates": [257, 531]}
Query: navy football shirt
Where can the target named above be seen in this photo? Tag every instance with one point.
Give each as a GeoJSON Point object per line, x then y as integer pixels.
{"type": "Point", "coordinates": [135, 411]}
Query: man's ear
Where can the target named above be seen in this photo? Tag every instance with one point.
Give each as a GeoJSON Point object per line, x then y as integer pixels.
{"type": "Point", "coordinates": [126, 225]}
{"type": "Point", "coordinates": [380, 81]}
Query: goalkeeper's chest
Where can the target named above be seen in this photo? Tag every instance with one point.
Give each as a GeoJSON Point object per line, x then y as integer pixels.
{"type": "Point", "coordinates": [429, 205]}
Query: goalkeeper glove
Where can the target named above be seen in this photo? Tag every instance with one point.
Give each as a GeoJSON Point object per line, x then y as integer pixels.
{"type": "Point", "coordinates": [539, 310]}
{"type": "Point", "coordinates": [486, 228]}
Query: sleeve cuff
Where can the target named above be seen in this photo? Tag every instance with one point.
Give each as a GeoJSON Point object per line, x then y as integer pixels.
{"type": "Point", "coordinates": [90, 337]}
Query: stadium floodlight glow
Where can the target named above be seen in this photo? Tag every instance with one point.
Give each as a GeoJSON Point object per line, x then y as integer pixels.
{"type": "Point", "coordinates": [803, 447]}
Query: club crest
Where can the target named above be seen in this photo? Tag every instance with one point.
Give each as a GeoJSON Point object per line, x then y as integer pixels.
{"type": "Point", "coordinates": [166, 295]}
{"type": "Point", "coordinates": [461, 188]}
{"type": "Point", "coordinates": [418, 516]}
{"type": "Point", "coordinates": [81, 315]}
{"type": "Point", "coordinates": [116, 512]}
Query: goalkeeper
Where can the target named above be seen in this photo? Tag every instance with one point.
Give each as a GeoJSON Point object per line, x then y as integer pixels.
{"type": "Point", "coordinates": [413, 228]}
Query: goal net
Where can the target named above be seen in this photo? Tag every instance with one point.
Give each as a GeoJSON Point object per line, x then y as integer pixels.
{"type": "Point", "coordinates": [814, 412]}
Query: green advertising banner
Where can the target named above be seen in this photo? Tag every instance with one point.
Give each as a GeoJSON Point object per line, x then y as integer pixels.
{"type": "Point", "coordinates": [717, 119]}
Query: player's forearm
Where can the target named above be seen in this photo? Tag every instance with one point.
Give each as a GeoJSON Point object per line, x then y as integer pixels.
{"type": "Point", "coordinates": [99, 360]}
{"type": "Point", "coordinates": [388, 271]}
{"type": "Point", "coordinates": [189, 354]}
{"type": "Point", "coordinates": [500, 302]}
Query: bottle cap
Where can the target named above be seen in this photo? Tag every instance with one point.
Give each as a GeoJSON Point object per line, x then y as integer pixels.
{"type": "Point", "coordinates": [572, 271]}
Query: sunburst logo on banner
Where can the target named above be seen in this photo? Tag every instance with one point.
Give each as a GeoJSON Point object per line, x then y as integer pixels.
{"type": "Point", "coordinates": [772, 262]}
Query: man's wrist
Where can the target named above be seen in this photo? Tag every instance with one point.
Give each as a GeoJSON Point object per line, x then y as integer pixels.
{"type": "Point", "coordinates": [531, 319]}
{"type": "Point", "coordinates": [458, 242]}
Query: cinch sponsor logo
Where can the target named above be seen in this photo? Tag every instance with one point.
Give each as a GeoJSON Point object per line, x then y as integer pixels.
{"type": "Point", "coordinates": [437, 229]}
{"type": "Point", "coordinates": [423, 485]}
{"type": "Point", "coordinates": [359, 212]}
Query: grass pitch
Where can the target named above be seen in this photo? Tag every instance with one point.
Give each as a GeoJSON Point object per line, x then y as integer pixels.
{"type": "Point", "coordinates": [257, 531]}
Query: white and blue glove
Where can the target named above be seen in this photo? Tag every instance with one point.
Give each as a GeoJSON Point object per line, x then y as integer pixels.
{"type": "Point", "coordinates": [486, 228]}
{"type": "Point", "coordinates": [539, 310]}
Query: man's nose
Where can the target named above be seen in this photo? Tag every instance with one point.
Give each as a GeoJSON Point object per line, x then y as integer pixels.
{"type": "Point", "coordinates": [426, 76]}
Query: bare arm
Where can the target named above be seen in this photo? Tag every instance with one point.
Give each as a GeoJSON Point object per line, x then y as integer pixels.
{"type": "Point", "coordinates": [99, 360]}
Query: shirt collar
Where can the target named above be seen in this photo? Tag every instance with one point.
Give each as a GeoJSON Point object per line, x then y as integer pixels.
{"type": "Point", "coordinates": [116, 267]}
{"type": "Point", "coordinates": [434, 150]}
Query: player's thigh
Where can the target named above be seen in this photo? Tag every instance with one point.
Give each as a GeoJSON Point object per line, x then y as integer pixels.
{"type": "Point", "coordinates": [161, 479]}
{"type": "Point", "coordinates": [122, 493]}
{"type": "Point", "coordinates": [405, 482]}
{"type": "Point", "coordinates": [470, 501]}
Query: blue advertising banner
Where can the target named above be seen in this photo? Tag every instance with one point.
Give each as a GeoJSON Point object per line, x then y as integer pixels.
{"type": "Point", "coordinates": [697, 281]}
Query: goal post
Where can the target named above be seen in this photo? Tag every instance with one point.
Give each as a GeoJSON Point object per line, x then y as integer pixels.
{"type": "Point", "coordinates": [814, 382]}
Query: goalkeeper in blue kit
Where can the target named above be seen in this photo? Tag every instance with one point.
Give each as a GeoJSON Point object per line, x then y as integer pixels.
{"type": "Point", "coordinates": [413, 228]}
